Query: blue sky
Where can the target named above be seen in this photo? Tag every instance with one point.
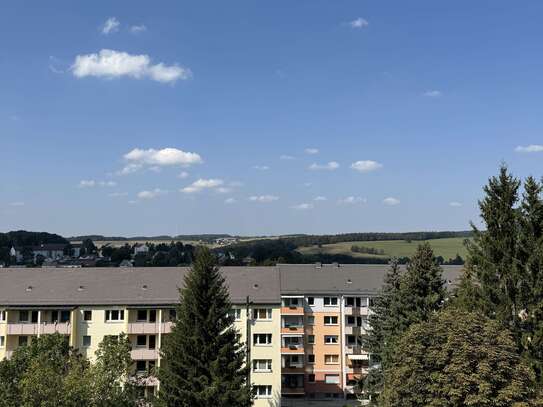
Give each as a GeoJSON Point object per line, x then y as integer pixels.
{"type": "Point", "coordinates": [246, 117]}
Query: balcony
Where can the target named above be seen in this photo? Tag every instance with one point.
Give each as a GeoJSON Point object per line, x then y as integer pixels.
{"type": "Point", "coordinates": [356, 311]}
{"type": "Point", "coordinates": [144, 354]}
{"type": "Point", "coordinates": [355, 350]}
{"type": "Point", "coordinates": [353, 330]}
{"type": "Point", "coordinates": [141, 328]}
{"type": "Point", "coordinates": [63, 328]}
{"type": "Point", "coordinates": [292, 348]}
{"type": "Point", "coordinates": [292, 310]}
{"type": "Point", "coordinates": [292, 391]}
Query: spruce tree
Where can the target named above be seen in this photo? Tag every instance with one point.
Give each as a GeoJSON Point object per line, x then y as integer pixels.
{"type": "Point", "coordinates": [493, 252]}
{"type": "Point", "coordinates": [203, 361]}
{"type": "Point", "coordinates": [406, 299]}
{"type": "Point", "coordinates": [531, 286]}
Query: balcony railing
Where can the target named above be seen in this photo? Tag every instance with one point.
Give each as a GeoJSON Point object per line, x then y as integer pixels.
{"type": "Point", "coordinates": [144, 354]}
{"type": "Point", "coordinates": [63, 328]}
{"type": "Point", "coordinates": [292, 310]}
{"type": "Point", "coordinates": [292, 348]}
{"type": "Point", "coordinates": [149, 327]}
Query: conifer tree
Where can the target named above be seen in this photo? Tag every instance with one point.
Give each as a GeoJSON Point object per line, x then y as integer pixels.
{"type": "Point", "coordinates": [409, 298]}
{"type": "Point", "coordinates": [203, 361]}
{"type": "Point", "coordinates": [493, 253]}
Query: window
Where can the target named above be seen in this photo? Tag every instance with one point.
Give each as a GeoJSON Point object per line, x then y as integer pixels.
{"type": "Point", "coordinates": [152, 315]}
{"type": "Point", "coordinates": [141, 366]}
{"type": "Point", "coordinates": [141, 341]}
{"type": "Point", "coordinates": [351, 340]}
{"type": "Point", "coordinates": [311, 378]}
{"type": "Point", "coordinates": [331, 379]}
{"type": "Point", "coordinates": [262, 339]}
{"type": "Point", "coordinates": [152, 341]}
{"type": "Point", "coordinates": [311, 339]}
{"type": "Point", "coordinates": [2, 341]}
{"type": "Point", "coordinates": [141, 315]}
{"type": "Point", "coordinates": [235, 313]}
{"type": "Point", "coordinates": [86, 340]}
{"type": "Point", "coordinates": [263, 392]}
{"type": "Point", "coordinates": [331, 359]}
{"type": "Point", "coordinates": [330, 320]}
{"type": "Point", "coordinates": [311, 358]}
{"type": "Point", "coordinates": [64, 316]}
{"type": "Point", "coordinates": [87, 315]}
{"type": "Point", "coordinates": [2, 316]}
{"type": "Point", "coordinates": [173, 314]}
{"type": "Point", "coordinates": [330, 301]}
{"type": "Point", "coordinates": [23, 340]}
{"type": "Point", "coordinates": [330, 339]}
{"type": "Point", "coordinates": [291, 302]}
{"type": "Point", "coordinates": [310, 320]}
{"type": "Point", "coordinates": [114, 315]}
{"type": "Point", "coordinates": [262, 365]}
{"type": "Point", "coordinates": [351, 320]}
{"type": "Point", "coordinates": [262, 313]}
{"type": "Point", "coordinates": [349, 301]}
{"type": "Point", "coordinates": [23, 316]}
{"type": "Point", "coordinates": [310, 300]}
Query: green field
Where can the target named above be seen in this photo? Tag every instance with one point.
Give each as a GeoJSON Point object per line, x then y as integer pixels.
{"type": "Point", "coordinates": [448, 248]}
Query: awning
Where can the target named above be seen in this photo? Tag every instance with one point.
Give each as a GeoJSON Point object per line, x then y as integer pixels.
{"type": "Point", "coordinates": [358, 357]}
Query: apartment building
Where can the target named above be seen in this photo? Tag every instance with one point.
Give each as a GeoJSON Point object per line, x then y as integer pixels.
{"type": "Point", "coordinates": [302, 324]}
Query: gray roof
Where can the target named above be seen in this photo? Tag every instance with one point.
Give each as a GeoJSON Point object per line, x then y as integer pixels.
{"type": "Point", "coordinates": [125, 286]}
{"type": "Point", "coordinates": [159, 285]}
{"type": "Point", "coordinates": [345, 278]}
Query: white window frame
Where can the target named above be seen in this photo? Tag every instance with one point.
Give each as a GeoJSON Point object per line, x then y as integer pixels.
{"type": "Point", "coordinates": [146, 315]}
{"type": "Point", "coordinates": [259, 335]}
{"type": "Point", "coordinates": [2, 315]}
{"type": "Point", "coordinates": [236, 314]}
{"type": "Point", "coordinates": [267, 391]}
{"type": "Point", "coordinates": [331, 318]}
{"type": "Point", "coordinates": [331, 339]}
{"type": "Point", "coordinates": [256, 314]}
{"type": "Point", "coordinates": [108, 314]}
{"type": "Point", "coordinates": [312, 302]}
{"type": "Point", "coordinates": [331, 357]}
{"type": "Point", "coordinates": [87, 320]}
{"type": "Point", "coordinates": [83, 341]}
{"type": "Point", "coordinates": [330, 301]}
{"type": "Point", "coordinates": [267, 363]}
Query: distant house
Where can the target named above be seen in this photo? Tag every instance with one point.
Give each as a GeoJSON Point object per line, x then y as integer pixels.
{"type": "Point", "coordinates": [52, 251]}
{"type": "Point", "coordinates": [141, 248]}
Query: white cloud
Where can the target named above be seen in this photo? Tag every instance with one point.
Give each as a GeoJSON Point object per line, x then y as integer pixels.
{"type": "Point", "coordinates": [331, 166]}
{"type": "Point", "coordinates": [359, 23]}
{"type": "Point", "coordinates": [18, 203]}
{"type": "Point", "coordinates": [261, 167]}
{"type": "Point", "coordinates": [224, 190]}
{"type": "Point", "coordinates": [390, 201]}
{"type": "Point", "coordinates": [311, 151]}
{"type": "Point", "coordinates": [286, 157]}
{"type": "Point", "coordinates": [183, 175]}
{"type": "Point", "coordinates": [202, 184]}
{"type": "Point", "coordinates": [110, 26]}
{"type": "Point", "coordinates": [138, 158]}
{"type": "Point", "coordinates": [151, 194]}
{"type": "Point", "coordinates": [350, 200]}
{"type": "Point", "coordinates": [117, 194]}
{"type": "Point", "coordinates": [366, 166]}
{"type": "Point", "coordinates": [303, 206]}
{"type": "Point", "coordinates": [263, 198]}
{"type": "Point", "coordinates": [115, 64]}
{"type": "Point", "coordinates": [432, 93]}
{"type": "Point", "coordinates": [230, 201]}
{"type": "Point", "coordinates": [89, 183]}
{"type": "Point", "coordinates": [319, 198]}
{"type": "Point", "coordinates": [136, 29]}
{"type": "Point", "coordinates": [84, 183]}
{"type": "Point", "coordinates": [532, 148]}
{"type": "Point", "coordinates": [455, 204]}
